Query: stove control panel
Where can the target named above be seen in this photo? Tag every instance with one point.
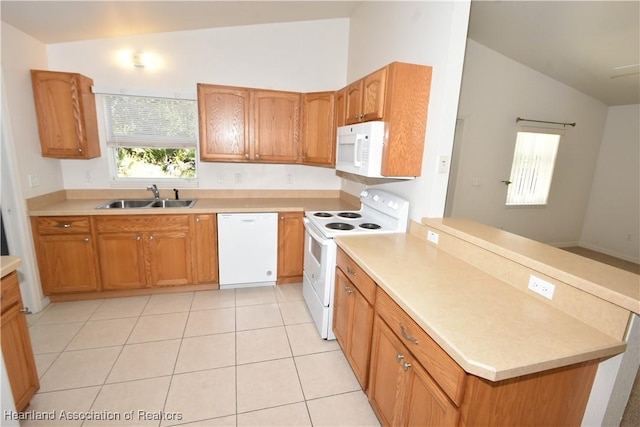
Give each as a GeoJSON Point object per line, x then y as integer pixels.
{"type": "Point", "coordinates": [384, 202]}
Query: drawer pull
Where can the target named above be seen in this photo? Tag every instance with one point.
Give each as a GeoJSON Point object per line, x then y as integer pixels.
{"type": "Point", "coordinates": [350, 271]}
{"type": "Point", "coordinates": [399, 357]}
{"type": "Point", "coordinates": [86, 240]}
{"type": "Point", "coordinates": [406, 366]}
{"type": "Point", "coordinates": [406, 336]}
{"type": "Point", "coordinates": [66, 225]}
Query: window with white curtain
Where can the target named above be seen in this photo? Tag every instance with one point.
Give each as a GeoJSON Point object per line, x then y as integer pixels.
{"type": "Point", "coordinates": [151, 137]}
{"type": "Point", "coordinates": [534, 159]}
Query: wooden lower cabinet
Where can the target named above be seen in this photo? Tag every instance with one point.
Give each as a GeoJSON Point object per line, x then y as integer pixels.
{"type": "Point", "coordinates": [412, 382]}
{"type": "Point", "coordinates": [290, 247]}
{"type": "Point", "coordinates": [140, 251]}
{"type": "Point", "coordinates": [401, 391]}
{"type": "Point", "coordinates": [67, 254]}
{"type": "Point", "coordinates": [353, 321]}
{"type": "Point", "coordinates": [205, 248]}
{"type": "Point", "coordinates": [16, 344]}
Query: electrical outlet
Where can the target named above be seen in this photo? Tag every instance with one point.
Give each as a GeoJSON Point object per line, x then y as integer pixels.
{"type": "Point", "coordinates": [432, 237]}
{"type": "Point", "coordinates": [34, 181]}
{"type": "Point", "coordinates": [541, 287]}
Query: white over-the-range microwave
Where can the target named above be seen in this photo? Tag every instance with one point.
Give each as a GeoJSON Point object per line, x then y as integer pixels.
{"type": "Point", "coordinates": [359, 149]}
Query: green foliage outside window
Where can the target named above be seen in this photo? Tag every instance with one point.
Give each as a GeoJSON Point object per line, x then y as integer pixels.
{"type": "Point", "coordinates": [156, 162]}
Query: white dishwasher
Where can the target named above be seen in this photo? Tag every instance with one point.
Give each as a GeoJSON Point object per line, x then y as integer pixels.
{"type": "Point", "coordinates": [247, 249]}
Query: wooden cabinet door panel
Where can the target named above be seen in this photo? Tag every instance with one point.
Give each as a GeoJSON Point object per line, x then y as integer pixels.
{"type": "Point", "coordinates": [386, 388]}
{"type": "Point", "coordinates": [426, 404]}
{"type": "Point", "coordinates": [360, 339]}
{"type": "Point", "coordinates": [290, 245]}
{"type": "Point", "coordinates": [224, 122]}
{"type": "Point", "coordinates": [18, 357]}
{"type": "Point", "coordinates": [205, 248]}
{"type": "Point", "coordinates": [67, 263]}
{"type": "Point", "coordinates": [342, 311]}
{"type": "Point", "coordinates": [373, 95]}
{"type": "Point", "coordinates": [169, 258]}
{"type": "Point", "coordinates": [353, 102]}
{"type": "Point", "coordinates": [318, 128]}
{"type": "Point", "coordinates": [276, 126]}
{"type": "Point", "coordinates": [66, 111]}
{"type": "Point", "coordinates": [122, 261]}
{"type": "Point", "coordinates": [341, 108]}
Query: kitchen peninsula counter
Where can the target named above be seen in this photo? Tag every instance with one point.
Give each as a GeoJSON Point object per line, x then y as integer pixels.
{"type": "Point", "coordinates": [490, 327]}
{"type": "Point", "coordinates": [79, 202]}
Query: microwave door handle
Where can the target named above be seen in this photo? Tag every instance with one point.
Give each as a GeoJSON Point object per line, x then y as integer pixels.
{"type": "Point", "coordinates": [357, 154]}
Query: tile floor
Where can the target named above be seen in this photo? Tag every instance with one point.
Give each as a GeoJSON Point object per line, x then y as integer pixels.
{"type": "Point", "coordinates": [244, 357]}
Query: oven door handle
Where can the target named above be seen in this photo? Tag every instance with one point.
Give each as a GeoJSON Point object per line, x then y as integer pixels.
{"type": "Point", "coordinates": [324, 241]}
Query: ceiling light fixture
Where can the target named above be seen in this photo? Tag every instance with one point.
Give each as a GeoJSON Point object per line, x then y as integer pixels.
{"type": "Point", "coordinates": [138, 60]}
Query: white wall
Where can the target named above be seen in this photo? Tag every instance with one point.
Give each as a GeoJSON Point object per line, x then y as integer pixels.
{"type": "Point", "coordinates": [20, 53]}
{"type": "Point", "coordinates": [496, 90]}
{"type": "Point", "coordinates": [429, 33]}
{"type": "Point", "coordinates": [299, 56]}
{"type": "Point", "coordinates": [611, 224]}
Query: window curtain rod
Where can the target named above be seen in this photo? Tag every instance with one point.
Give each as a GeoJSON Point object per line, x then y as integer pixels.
{"type": "Point", "coordinates": [520, 119]}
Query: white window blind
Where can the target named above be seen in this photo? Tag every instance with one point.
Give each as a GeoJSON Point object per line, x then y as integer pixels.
{"type": "Point", "coordinates": [137, 121]}
{"type": "Point", "coordinates": [532, 168]}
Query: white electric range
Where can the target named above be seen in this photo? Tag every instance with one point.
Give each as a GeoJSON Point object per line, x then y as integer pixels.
{"type": "Point", "coordinates": [380, 212]}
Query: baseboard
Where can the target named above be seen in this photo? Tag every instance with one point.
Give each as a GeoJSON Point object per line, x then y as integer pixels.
{"type": "Point", "coordinates": [608, 252]}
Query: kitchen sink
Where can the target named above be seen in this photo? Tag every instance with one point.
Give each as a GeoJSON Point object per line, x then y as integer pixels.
{"type": "Point", "coordinates": [168, 203]}
{"type": "Point", "coordinates": [146, 203]}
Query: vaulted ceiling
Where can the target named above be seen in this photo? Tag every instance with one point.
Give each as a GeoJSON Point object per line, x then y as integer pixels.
{"type": "Point", "coordinates": [592, 46]}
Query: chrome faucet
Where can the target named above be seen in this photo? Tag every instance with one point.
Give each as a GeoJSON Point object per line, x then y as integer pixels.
{"type": "Point", "coordinates": [154, 189]}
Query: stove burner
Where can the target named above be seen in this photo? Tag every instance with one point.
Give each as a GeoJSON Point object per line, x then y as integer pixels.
{"type": "Point", "coordinates": [339, 226]}
{"type": "Point", "coordinates": [369, 226]}
{"type": "Point", "coordinates": [322, 214]}
{"type": "Point", "coordinates": [350, 215]}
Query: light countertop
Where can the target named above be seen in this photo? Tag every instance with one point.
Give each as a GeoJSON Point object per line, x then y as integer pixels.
{"type": "Point", "coordinates": [9, 264]}
{"type": "Point", "coordinates": [609, 283]}
{"type": "Point", "coordinates": [203, 205]}
{"type": "Point", "coordinates": [488, 327]}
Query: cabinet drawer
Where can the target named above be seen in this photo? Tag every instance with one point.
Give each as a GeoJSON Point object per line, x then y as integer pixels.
{"type": "Point", "coordinates": [358, 277]}
{"type": "Point", "coordinates": [447, 373]}
{"type": "Point", "coordinates": [139, 223]}
{"type": "Point", "coordinates": [10, 291]}
{"type": "Point", "coordinates": [62, 224]}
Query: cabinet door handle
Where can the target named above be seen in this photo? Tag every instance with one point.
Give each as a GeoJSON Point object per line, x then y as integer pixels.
{"type": "Point", "coordinates": [350, 271]}
{"type": "Point", "coordinates": [399, 357]}
{"type": "Point", "coordinates": [138, 238]}
{"type": "Point", "coordinates": [257, 156]}
{"type": "Point", "coordinates": [348, 289]}
{"type": "Point", "coordinates": [197, 219]}
{"type": "Point", "coordinates": [86, 240]}
{"type": "Point", "coordinates": [406, 336]}
{"type": "Point", "coordinates": [150, 237]}
{"type": "Point", "coordinates": [406, 366]}
{"type": "Point", "coordinates": [25, 310]}
{"type": "Point", "coordinates": [246, 155]}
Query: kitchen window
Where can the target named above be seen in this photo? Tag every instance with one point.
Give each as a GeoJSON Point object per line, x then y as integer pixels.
{"type": "Point", "coordinates": [151, 138]}
{"type": "Point", "coordinates": [534, 159]}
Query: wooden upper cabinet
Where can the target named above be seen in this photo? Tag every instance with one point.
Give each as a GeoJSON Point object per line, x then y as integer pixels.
{"type": "Point", "coordinates": [276, 126]}
{"type": "Point", "coordinates": [66, 111]}
{"type": "Point", "coordinates": [319, 128]}
{"type": "Point", "coordinates": [341, 108]}
{"type": "Point", "coordinates": [224, 122]}
{"type": "Point", "coordinates": [366, 97]}
{"type": "Point", "coordinates": [397, 94]}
